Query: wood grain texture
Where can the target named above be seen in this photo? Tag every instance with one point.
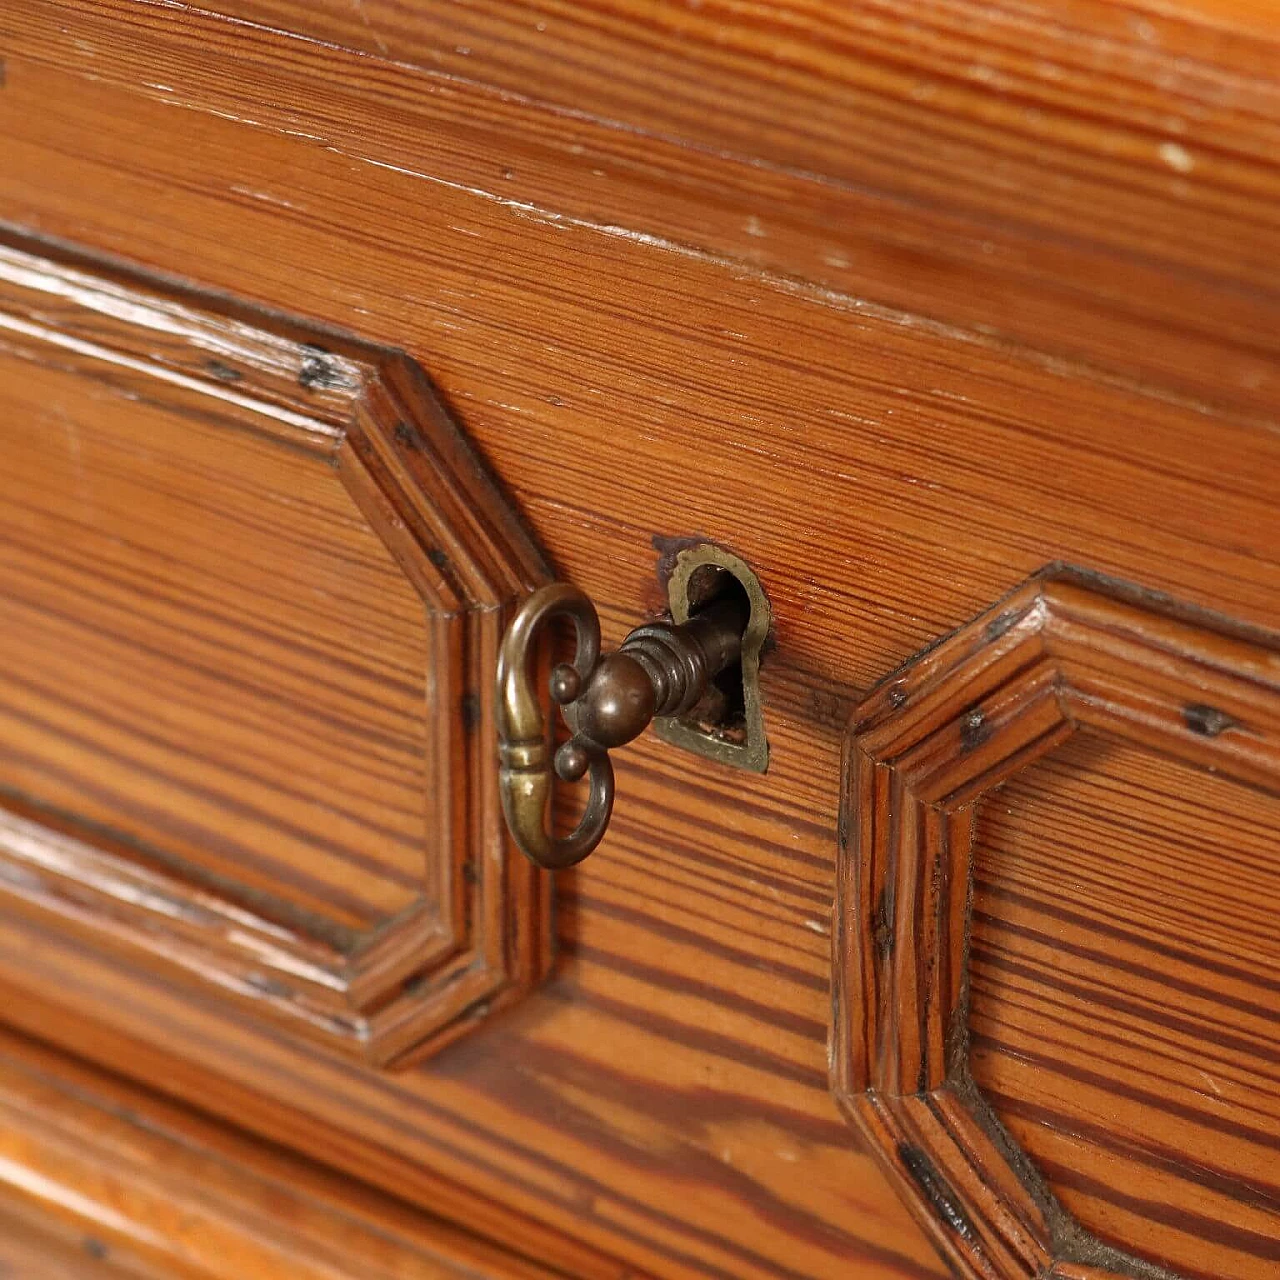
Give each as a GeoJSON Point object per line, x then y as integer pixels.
{"type": "Point", "coordinates": [29, 1253]}
{"type": "Point", "coordinates": [1125, 965]}
{"type": "Point", "coordinates": [119, 515]}
{"type": "Point", "coordinates": [98, 1178]}
{"type": "Point", "coordinates": [1095, 180]}
{"type": "Point", "coordinates": [252, 588]}
{"type": "Point", "coordinates": [894, 408]}
{"type": "Point", "coordinates": [924, 1005]}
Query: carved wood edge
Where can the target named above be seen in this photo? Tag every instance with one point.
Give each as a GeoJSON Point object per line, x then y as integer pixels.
{"type": "Point", "coordinates": [480, 934]}
{"type": "Point", "coordinates": [1066, 651]}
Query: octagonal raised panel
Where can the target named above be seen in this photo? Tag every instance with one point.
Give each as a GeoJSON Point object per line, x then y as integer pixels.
{"type": "Point", "coordinates": [254, 581]}
{"type": "Point", "coordinates": [1135, 698]}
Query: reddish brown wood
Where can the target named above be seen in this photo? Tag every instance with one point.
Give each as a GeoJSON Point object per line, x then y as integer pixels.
{"type": "Point", "coordinates": [739, 267]}
{"type": "Point", "coordinates": [99, 1179]}
{"type": "Point", "coordinates": [1125, 962]}
{"type": "Point", "coordinates": [231, 746]}
{"type": "Point", "coordinates": [1067, 654]}
{"type": "Point", "coordinates": [953, 161]}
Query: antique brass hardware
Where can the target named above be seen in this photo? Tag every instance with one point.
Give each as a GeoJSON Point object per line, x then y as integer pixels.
{"type": "Point", "coordinates": [660, 670]}
{"type": "Point", "coordinates": [728, 727]}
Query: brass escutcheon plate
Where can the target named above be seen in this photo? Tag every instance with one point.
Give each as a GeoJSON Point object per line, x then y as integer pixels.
{"type": "Point", "coordinates": [707, 740]}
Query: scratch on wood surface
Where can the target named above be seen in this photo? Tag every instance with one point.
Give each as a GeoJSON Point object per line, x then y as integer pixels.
{"type": "Point", "coordinates": [823, 296]}
{"type": "Point", "coordinates": [358, 6]}
{"type": "Point", "coordinates": [1211, 1082]}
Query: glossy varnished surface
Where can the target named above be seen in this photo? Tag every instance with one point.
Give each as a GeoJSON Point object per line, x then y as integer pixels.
{"type": "Point", "coordinates": [1020, 168]}
{"type": "Point", "coordinates": [255, 587]}
{"type": "Point", "coordinates": [1125, 972]}
{"type": "Point", "coordinates": [895, 393]}
{"type": "Point", "coordinates": [923, 923]}
{"type": "Point", "coordinates": [98, 1179]}
{"type": "Point", "coordinates": [207, 652]}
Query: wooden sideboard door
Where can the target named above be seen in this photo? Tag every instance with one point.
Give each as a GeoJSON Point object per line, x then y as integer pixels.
{"type": "Point", "coordinates": [1059, 1034]}
{"type": "Point", "coordinates": [254, 584]}
{"type": "Point", "coordinates": [330, 330]}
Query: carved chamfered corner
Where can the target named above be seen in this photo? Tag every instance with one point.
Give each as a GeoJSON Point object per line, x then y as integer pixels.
{"type": "Point", "coordinates": [344, 457]}
{"type": "Point", "coordinates": [1067, 653]}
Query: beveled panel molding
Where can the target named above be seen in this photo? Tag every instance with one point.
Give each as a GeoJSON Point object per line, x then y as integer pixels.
{"type": "Point", "coordinates": [1068, 652]}
{"type": "Point", "coordinates": [362, 426]}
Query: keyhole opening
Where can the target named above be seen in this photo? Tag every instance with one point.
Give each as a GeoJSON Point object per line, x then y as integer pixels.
{"type": "Point", "coordinates": [727, 724]}
{"type": "Point", "coordinates": [722, 710]}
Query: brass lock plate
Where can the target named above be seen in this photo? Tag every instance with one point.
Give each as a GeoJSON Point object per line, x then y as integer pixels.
{"type": "Point", "coordinates": [728, 726]}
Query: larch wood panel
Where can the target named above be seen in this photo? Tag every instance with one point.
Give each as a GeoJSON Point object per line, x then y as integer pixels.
{"type": "Point", "coordinates": [1092, 179]}
{"type": "Point", "coordinates": [207, 654]}
{"type": "Point", "coordinates": [947, 471]}
{"type": "Point", "coordinates": [1067, 653]}
{"type": "Point", "coordinates": [98, 1178]}
{"type": "Point", "coordinates": [478, 934]}
{"type": "Point", "coordinates": [1074, 107]}
{"type": "Point", "coordinates": [929, 449]}
{"type": "Point", "coordinates": [662, 1106]}
{"type": "Point", "coordinates": [1125, 968]}
{"type": "Point", "coordinates": [662, 1109]}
